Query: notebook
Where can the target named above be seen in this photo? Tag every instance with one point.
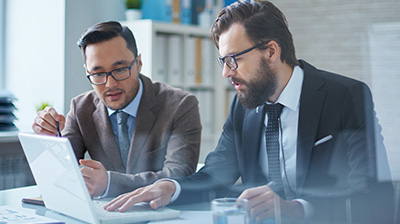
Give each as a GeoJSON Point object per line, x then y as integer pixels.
{"type": "Point", "coordinates": [60, 182]}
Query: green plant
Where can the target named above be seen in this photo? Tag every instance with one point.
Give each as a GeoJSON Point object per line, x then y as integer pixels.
{"type": "Point", "coordinates": [41, 106]}
{"type": "Point", "coordinates": [133, 4]}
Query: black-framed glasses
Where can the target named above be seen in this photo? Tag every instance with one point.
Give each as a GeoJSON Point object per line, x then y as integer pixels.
{"type": "Point", "coordinates": [118, 74]}
{"type": "Point", "coordinates": [230, 59]}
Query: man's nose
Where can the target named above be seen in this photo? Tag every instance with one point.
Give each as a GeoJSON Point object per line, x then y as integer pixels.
{"type": "Point", "coordinates": [227, 72]}
{"type": "Point", "coordinates": [110, 82]}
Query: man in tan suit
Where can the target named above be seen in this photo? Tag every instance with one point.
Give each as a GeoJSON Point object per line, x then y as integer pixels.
{"type": "Point", "coordinates": [162, 128]}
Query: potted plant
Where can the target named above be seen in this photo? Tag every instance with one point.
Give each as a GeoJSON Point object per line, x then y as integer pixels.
{"type": "Point", "coordinates": [42, 105]}
{"type": "Point", "coordinates": [133, 9]}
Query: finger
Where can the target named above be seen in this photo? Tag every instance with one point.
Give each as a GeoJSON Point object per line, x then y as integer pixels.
{"type": "Point", "coordinates": [120, 200]}
{"type": "Point", "coordinates": [86, 172]}
{"type": "Point", "coordinates": [261, 208]}
{"type": "Point", "coordinates": [43, 126]}
{"type": "Point", "coordinates": [91, 163]}
{"type": "Point", "coordinates": [254, 192]}
{"type": "Point", "coordinates": [40, 130]}
{"type": "Point", "coordinates": [61, 122]}
{"type": "Point", "coordinates": [53, 113]}
{"type": "Point", "coordinates": [265, 197]}
{"type": "Point", "coordinates": [128, 203]}
{"type": "Point", "coordinates": [158, 202]}
{"type": "Point", "coordinates": [145, 196]}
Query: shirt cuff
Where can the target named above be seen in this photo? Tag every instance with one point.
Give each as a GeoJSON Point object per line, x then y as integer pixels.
{"type": "Point", "coordinates": [308, 208]}
{"type": "Point", "coordinates": [108, 188]}
{"type": "Point", "coordinates": [177, 188]}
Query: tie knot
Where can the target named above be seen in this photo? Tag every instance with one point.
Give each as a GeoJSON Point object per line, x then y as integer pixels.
{"type": "Point", "coordinates": [122, 117]}
{"type": "Point", "coordinates": [273, 110]}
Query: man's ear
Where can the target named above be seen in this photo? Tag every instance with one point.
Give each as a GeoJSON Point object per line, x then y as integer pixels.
{"type": "Point", "coordinates": [139, 62]}
{"type": "Point", "coordinates": [273, 51]}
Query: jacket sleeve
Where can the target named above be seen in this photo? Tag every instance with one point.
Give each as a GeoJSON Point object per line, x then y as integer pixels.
{"type": "Point", "coordinates": [220, 172]}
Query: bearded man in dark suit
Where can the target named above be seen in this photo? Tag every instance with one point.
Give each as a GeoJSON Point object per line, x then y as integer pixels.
{"type": "Point", "coordinates": [324, 135]}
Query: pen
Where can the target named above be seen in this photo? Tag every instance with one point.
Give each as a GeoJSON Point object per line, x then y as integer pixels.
{"type": "Point", "coordinates": [58, 129]}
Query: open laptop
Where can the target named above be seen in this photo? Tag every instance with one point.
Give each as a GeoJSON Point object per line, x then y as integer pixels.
{"type": "Point", "coordinates": [58, 176]}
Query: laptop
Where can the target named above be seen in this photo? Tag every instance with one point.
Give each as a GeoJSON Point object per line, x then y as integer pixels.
{"type": "Point", "coordinates": [60, 182]}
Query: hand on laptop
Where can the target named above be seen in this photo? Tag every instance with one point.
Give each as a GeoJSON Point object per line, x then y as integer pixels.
{"type": "Point", "coordinates": [95, 176]}
{"type": "Point", "coordinates": [45, 122]}
{"type": "Point", "coordinates": [158, 194]}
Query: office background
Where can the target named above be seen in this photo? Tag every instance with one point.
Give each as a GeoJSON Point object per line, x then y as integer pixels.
{"type": "Point", "coordinates": [40, 61]}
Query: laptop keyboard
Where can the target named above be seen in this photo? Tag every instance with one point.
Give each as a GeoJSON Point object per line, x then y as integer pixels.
{"type": "Point", "coordinates": [141, 209]}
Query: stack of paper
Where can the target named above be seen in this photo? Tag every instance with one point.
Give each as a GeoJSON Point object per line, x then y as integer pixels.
{"type": "Point", "coordinates": [7, 109]}
{"type": "Point", "coordinates": [10, 215]}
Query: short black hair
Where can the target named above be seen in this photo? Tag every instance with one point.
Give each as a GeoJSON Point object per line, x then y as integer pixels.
{"type": "Point", "coordinates": [105, 31]}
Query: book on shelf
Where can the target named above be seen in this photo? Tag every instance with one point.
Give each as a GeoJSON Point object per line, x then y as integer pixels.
{"type": "Point", "coordinates": [207, 61]}
{"type": "Point", "coordinates": [189, 60]}
{"type": "Point", "coordinates": [160, 73]}
{"type": "Point", "coordinates": [175, 60]}
{"type": "Point", "coordinates": [186, 11]}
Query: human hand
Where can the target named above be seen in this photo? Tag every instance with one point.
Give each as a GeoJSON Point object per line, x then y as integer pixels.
{"type": "Point", "coordinates": [45, 122]}
{"type": "Point", "coordinates": [264, 203]}
{"type": "Point", "coordinates": [158, 194]}
{"type": "Point", "coordinates": [95, 176]}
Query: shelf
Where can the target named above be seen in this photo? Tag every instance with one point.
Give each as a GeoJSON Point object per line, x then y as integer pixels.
{"type": "Point", "coordinates": [183, 56]}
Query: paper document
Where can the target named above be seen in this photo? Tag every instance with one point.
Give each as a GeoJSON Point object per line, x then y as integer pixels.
{"type": "Point", "coordinates": [9, 215]}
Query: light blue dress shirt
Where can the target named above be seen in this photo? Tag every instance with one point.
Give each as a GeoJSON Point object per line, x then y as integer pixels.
{"type": "Point", "coordinates": [130, 109]}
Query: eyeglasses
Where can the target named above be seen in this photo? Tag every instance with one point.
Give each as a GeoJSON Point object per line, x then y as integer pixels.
{"type": "Point", "coordinates": [230, 59]}
{"type": "Point", "coordinates": [118, 74]}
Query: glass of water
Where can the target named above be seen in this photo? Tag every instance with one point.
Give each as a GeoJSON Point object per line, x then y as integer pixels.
{"type": "Point", "coordinates": [230, 211]}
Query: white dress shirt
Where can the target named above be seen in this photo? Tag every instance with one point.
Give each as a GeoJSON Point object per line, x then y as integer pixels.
{"type": "Point", "coordinates": [289, 120]}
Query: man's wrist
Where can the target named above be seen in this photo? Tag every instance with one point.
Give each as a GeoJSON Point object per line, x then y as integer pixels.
{"type": "Point", "coordinates": [177, 192]}
{"type": "Point", "coordinates": [105, 194]}
{"type": "Point", "coordinates": [308, 209]}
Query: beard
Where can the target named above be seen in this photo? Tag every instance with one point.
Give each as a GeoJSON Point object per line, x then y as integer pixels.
{"type": "Point", "coordinates": [260, 88]}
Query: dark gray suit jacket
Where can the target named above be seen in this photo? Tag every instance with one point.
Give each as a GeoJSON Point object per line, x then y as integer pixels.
{"type": "Point", "coordinates": [165, 143]}
{"type": "Point", "coordinates": [328, 174]}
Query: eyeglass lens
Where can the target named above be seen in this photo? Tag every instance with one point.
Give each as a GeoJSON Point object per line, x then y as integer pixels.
{"type": "Point", "coordinates": [229, 60]}
{"type": "Point", "coordinates": [118, 74]}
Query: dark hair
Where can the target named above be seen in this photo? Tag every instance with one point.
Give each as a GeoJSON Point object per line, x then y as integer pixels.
{"type": "Point", "coordinates": [105, 31]}
{"type": "Point", "coordinates": [262, 21]}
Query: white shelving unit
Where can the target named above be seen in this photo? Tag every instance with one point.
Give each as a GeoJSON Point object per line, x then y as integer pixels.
{"type": "Point", "coordinates": [184, 57]}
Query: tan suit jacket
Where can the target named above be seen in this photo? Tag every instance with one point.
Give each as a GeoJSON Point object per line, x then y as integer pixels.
{"type": "Point", "coordinates": [165, 142]}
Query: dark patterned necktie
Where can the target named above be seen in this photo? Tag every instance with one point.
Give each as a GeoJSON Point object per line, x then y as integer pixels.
{"type": "Point", "coordinates": [272, 143]}
{"type": "Point", "coordinates": [123, 138]}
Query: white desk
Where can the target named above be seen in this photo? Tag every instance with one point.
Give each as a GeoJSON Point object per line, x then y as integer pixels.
{"type": "Point", "coordinates": [13, 198]}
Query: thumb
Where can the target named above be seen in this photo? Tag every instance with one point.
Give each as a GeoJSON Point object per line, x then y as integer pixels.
{"type": "Point", "coordinates": [91, 163]}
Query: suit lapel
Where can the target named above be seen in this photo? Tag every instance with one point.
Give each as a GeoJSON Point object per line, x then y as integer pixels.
{"type": "Point", "coordinates": [251, 137]}
{"type": "Point", "coordinates": [311, 102]}
{"type": "Point", "coordinates": [145, 120]}
{"type": "Point", "coordinates": [106, 137]}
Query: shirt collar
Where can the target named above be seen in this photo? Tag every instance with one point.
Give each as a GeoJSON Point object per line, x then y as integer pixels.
{"type": "Point", "coordinates": [290, 96]}
{"type": "Point", "coordinates": [133, 106]}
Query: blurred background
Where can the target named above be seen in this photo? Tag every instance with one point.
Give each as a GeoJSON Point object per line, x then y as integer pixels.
{"type": "Point", "coordinates": [41, 64]}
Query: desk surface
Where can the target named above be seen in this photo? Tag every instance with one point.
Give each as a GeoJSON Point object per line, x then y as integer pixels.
{"type": "Point", "coordinates": [13, 198]}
